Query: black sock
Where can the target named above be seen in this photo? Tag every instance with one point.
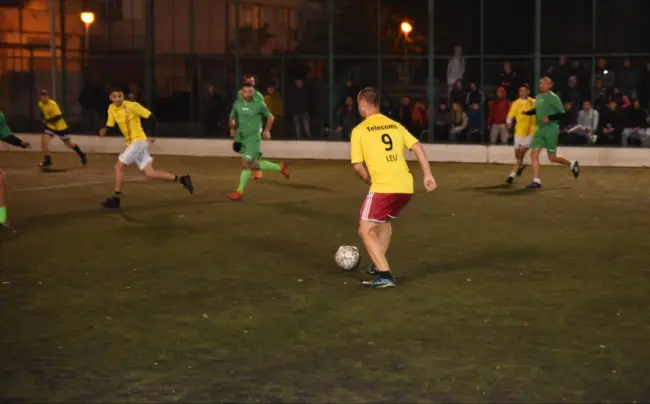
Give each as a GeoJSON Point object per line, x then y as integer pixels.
{"type": "Point", "coordinates": [177, 178]}
{"type": "Point", "coordinates": [117, 194]}
{"type": "Point", "coordinates": [47, 159]}
{"type": "Point", "coordinates": [78, 150]}
{"type": "Point", "coordinates": [385, 274]}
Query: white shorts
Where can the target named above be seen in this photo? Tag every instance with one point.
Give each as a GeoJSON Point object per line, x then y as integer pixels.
{"type": "Point", "coordinates": [523, 141]}
{"type": "Point", "coordinates": [136, 153]}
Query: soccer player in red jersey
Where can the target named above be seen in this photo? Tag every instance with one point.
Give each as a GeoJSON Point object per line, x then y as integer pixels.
{"type": "Point", "coordinates": [377, 156]}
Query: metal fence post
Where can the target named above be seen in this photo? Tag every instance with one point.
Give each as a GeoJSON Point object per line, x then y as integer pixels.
{"type": "Point", "coordinates": [538, 43]}
{"type": "Point", "coordinates": [482, 69]}
{"type": "Point", "coordinates": [431, 96]}
{"type": "Point", "coordinates": [330, 63]}
{"type": "Point", "coordinates": [594, 19]}
{"type": "Point", "coordinates": [379, 38]}
{"type": "Point", "coordinates": [149, 58]}
{"type": "Point", "coordinates": [64, 56]}
{"type": "Point", "coordinates": [54, 64]}
{"type": "Point", "coordinates": [237, 50]}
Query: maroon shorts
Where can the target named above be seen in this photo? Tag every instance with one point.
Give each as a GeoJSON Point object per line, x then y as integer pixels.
{"type": "Point", "coordinates": [382, 207]}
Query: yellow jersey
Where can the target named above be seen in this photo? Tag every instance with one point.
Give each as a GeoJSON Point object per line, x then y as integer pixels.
{"type": "Point", "coordinates": [53, 115]}
{"type": "Point", "coordinates": [379, 142]}
{"type": "Point", "coordinates": [127, 116]}
{"type": "Point", "coordinates": [525, 124]}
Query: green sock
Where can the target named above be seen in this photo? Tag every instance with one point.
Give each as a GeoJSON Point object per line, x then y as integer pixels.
{"type": "Point", "coordinates": [266, 165]}
{"type": "Point", "coordinates": [3, 214]}
{"type": "Point", "coordinates": [243, 180]}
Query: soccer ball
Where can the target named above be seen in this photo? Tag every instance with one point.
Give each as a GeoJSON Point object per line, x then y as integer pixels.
{"type": "Point", "coordinates": [347, 257]}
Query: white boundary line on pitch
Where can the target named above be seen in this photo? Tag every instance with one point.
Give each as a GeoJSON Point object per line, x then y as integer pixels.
{"type": "Point", "coordinates": [73, 185]}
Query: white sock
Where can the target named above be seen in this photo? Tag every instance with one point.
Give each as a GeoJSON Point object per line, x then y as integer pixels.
{"type": "Point", "coordinates": [573, 164]}
{"type": "Point", "coordinates": [537, 180]}
{"type": "Point", "coordinates": [513, 174]}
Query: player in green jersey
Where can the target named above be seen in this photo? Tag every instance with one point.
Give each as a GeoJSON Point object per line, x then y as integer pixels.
{"type": "Point", "coordinates": [548, 110]}
{"type": "Point", "coordinates": [246, 122]}
{"type": "Point", "coordinates": [257, 96]}
{"type": "Point", "coordinates": [7, 137]}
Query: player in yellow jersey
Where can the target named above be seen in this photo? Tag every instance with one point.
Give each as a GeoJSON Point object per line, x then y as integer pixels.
{"type": "Point", "coordinates": [55, 125]}
{"type": "Point", "coordinates": [377, 154]}
{"type": "Point", "coordinates": [524, 129]}
{"type": "Point", "coordinates": [127, 115]}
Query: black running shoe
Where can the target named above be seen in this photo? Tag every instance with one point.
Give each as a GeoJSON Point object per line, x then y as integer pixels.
{"type": "Point", "coordinates": [84, 159]}
{"type": "Point", "coordinates": [111, 203]}
{"type": "Point", "coordinates": [45, 164]}
{"type": "Point", "coordinates": [509, 180]}
{"type": "Point", "coordinates": [6, 229]}
{"type": "Point", "coordinates": [186, 181]}
{"type": "Point", "coordinates": [521, 170]}
{"type": "Point", "coordinates": [534, 185]}
{"type": "Point", "coordinates": [575, 169]}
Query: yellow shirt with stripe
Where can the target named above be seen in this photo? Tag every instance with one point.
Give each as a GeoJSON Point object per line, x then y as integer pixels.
{"type": "Point", "coordinates": [50, 109]}
{"type": "Point", "coordinates": [379, 142]}
{"type": "Point", "coordinates": [525, 124]}
{"type": "Point", "coordinates": [127, 117]}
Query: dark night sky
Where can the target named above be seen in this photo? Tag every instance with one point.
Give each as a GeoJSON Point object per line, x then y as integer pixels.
{"type": "Point", "coordinates": [622, 25]}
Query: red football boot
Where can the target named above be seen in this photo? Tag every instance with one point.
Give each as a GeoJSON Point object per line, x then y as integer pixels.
{"type": "Point", "coordinates": [236, 196]}
{"type": "Point", "coordinates": [285, 170]}
{"type": "Point", "coordinates": [257, 175]}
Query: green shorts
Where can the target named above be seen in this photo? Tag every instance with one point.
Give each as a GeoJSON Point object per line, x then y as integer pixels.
{"type": "Point", "coordinates": [4, 131]}
{"type": "Point", "coordinates": [251, 150]}
{"type": "Point", "coordinates": [546, 138]}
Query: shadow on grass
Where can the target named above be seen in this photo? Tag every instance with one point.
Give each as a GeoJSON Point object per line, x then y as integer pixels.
{"type": "Point", "coordinates": [294, 185]}
{"type": "Point", "coordinates": [509, 190]}
{"type": "Point", "coordinates": [55, 170]}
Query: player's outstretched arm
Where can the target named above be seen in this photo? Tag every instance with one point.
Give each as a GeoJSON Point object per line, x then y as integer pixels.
{"type": "Point", "coordinates": [15, 141]}
{"type": "Point", "coordinates": [429, 182]}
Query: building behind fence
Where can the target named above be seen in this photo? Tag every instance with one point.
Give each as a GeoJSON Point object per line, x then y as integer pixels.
{"type": "Point", "coordinates": [185, 58]}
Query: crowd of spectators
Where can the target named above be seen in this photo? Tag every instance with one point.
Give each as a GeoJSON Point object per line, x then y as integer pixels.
{"type": "Point", "coordinates": [611, 110]}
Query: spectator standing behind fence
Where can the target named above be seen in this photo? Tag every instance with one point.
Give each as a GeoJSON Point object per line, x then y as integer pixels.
{"type": "Point", "coordinates": [636, 124]}
{"type": "Point", "coordinates": [601, 97]}
{"type": "Point", "coordinates": [474, 121]}
{"type": "Point", "coordinates": [577, 70]}
{"type": "Point", "coordinates": [508, 80]}
{"type": "Point", "coordinates": [559, 73]}
{"type": "Point", "coordinates": [420, 119]}
{"type": "Point", "coordinates": [405, 113]}
{"type": "Point", "coordinates": [93, 100]}
{"type": "Point", "coordinates": [299, 105]}
{"type": "Point", "coordinates": [497, 117]}
{"type": "Point", "coordinates": [572, 92]}
{"type": "Point", "coordinates": [455, 68]}
{"type": "Point", "coordinates": [274, 102]}
{"type": "Point", "coordinates": [627, 79]}
{"type": "Point", "coordinates": [611, 124]}
{"type": "Point", "coordinates": [603, 71]}
{"type": "Point", "coordinates": [475, 96]}
{"type": "Point", "coordinates": [442, 118]}
{"type": "Point", "coordinates": [347, 117]}
{"type": "Point", "coordinates": [585, 129]}
{"type": "Point", "coordinates": [457, 93]}
{"type": "Point", "coordinates": [645, 87]}
{"type": "Point", "coordinates": [213, 109]}
{"type": "Point", "coordinates": [458, 122]}
{"type": "Point", "coordinates": [350, 90]}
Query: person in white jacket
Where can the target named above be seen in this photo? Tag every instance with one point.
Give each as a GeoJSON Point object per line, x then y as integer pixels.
{"type": "Point", "coordinates": [455, 68]}
{"type": "Point", "coordinates": [588, 118]}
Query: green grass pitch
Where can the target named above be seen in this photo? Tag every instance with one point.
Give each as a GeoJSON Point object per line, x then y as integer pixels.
{"type": "Point", "coordinates": [505, 295]}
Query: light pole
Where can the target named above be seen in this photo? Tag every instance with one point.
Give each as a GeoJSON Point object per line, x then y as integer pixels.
{"type": "Point", "coordinates": [406, 29]}
{"type": "Point", "coordinates": [88, 18]}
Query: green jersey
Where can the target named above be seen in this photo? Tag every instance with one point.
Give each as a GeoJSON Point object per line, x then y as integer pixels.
{"type": "Point", "coordinates": [257, 96]}
{"type": "Point", "coordinates": [547, 104]}
{"type": "Point", "coordinates": [4, 128]}
{"type": "Point", "coordinates": [248, 116]}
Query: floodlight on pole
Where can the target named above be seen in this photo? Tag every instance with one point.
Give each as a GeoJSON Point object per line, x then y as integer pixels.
{"type": "Point", "coordinates": [406, 27]}
{"type": "Point", "coordinates": [88, 18]}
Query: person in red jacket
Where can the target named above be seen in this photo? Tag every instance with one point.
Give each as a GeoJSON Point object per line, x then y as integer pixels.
{"type": "Point", "coordinates": [497, 117]}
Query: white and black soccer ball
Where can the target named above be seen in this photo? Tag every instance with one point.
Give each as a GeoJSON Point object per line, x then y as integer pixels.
{"type": "Point", "coordinates": [347, 257]}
